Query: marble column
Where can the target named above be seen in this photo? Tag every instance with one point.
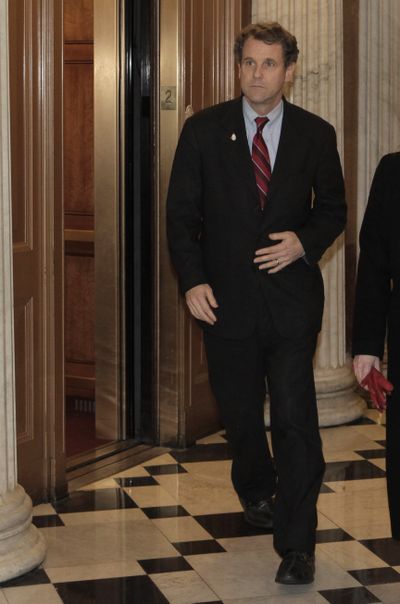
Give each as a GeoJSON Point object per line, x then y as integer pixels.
{"type": "Point", "coordinates": [22, 546]}
{"type": "Point", "coordinates": [318, 87]}
{"type": "Point", "coordinates": [379, 90]}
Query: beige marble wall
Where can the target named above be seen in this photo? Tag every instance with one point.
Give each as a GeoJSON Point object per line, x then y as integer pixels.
{"type": "Point", "coordinates": [318, 87]}
{"type": "Point", "coordinates": [21, 545]}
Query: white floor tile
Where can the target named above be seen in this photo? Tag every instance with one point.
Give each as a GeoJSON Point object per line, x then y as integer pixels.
{"type": "Point", "coordinates": [183, 587]}
{"type": "Point", "coordinates": [32, 594]}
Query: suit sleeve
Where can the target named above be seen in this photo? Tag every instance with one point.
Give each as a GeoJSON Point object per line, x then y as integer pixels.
{"type": "Point", "coordinates": [373, 279]}
{"type": "Point", "coordinates": [184, 211]}
{"type": "Point", "coordinates": [328, 214]}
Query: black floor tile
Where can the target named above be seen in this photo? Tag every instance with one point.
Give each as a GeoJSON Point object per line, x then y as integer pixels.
{"type": "Point", "coordinates": [213, 452]}
{"type": "Point", "coordinates": [222, 526]}
{"type": "Point", "coordinates": [349, 595]}
{"type": "Point", "coordinates": [164, 565]}
{"type": "Point", "coordinates": [351, 470]}
{"type": "Point", "coordinates": [166, 511]}
{"type": "Point", "coordinates": [47, 521]}
{"type": "Point", "coordinates": [192, 548]}
{"type": "Point", "coordinates": [360, 421]}
{"type": "Point", "coordinates": [36, 576]}
{"type": "Point", "coordinates": [387, 549]}
{"type": "Point", "coordinates": [168, 468]}
{"type": "Point", "coordinates": [331, 535]}
{"type": "Point", "coordinates": [372, 453]}
{"type": "Point", "coordinates": [89, 501]}
{"type": "Point", "coordinates": [375, 576]}
{"type": "Point", "coordinates": [136, 481]}
{"type": "Point", "coordinates": [123, 590]}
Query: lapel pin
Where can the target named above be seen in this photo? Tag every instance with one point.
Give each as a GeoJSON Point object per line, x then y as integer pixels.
{"type": "Point", "coordinates": [233, 136]}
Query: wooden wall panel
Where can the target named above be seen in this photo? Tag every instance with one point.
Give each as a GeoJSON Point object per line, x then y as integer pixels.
{"type": "Point", "coordinates": [79, 304]}
{"type": "Point", "coordinates": [79, 197]}
{"type": "Point", "coordinates": [210, 29]}
{"type": "Point", "coordinates": [78, 20]}
{"type": "Point", "coordinates": [78, 138]}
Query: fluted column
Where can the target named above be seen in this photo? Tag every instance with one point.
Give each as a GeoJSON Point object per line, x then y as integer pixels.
{"type": "Point", "coordinates": [21, 544]}
{"type": "Point", "coordinates": [379, 90]}
{"type": "Point", "coordinates": [318, 87]}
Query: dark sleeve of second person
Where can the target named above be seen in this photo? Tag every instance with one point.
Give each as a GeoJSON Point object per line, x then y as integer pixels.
{"type": "Point", "coordinates": [373, 278]}
{"type": "Point", "coordinates": [184, 211]}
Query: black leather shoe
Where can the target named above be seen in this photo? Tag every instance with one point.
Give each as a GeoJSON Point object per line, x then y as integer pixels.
{"type": "Point", "coordinates": [258, 513]}
{"type": "Point", "coordinates": [296, 568]}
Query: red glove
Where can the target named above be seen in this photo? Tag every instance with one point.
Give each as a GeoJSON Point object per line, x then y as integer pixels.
{"type": "Point", "coordinates": [378, 387]}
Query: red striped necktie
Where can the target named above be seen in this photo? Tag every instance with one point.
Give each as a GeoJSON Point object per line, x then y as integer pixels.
{"type": "Point", "coordinates": [261, 161]}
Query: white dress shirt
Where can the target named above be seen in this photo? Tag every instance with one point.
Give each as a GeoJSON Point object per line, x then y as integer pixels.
{"type": "Point", "coordinates": [271, 131]}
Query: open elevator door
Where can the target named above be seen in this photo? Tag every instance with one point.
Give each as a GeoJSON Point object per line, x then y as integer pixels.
{"type": "Point", "coordinates": [123, 276]}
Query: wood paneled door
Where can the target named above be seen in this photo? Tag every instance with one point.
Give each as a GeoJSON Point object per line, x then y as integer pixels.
{"type": "Point", "coordinates": [36, 160]}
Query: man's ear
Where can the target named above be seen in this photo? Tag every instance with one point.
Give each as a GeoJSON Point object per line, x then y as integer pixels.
{"type": "Point", "coordinates": [290, 69]}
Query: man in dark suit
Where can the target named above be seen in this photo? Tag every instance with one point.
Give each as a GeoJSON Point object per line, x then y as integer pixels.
{"type": "Point", "coordinates": [377, 309]}
{"type": "Point", "coordinates": [253, 203]}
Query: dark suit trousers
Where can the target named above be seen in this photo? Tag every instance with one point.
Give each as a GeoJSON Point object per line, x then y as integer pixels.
{"type": "Point", "coordinates": [393, 448]}
{"type": "Point", "coordinates": [237, 370]}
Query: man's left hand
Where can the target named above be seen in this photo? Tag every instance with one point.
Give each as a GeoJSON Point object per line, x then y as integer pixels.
{"type": "Point", "coordinates": [276, 257]}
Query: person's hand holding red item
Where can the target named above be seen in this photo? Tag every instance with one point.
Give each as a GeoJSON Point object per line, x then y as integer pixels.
{"type": "Point", "coordinates": [378, 387]}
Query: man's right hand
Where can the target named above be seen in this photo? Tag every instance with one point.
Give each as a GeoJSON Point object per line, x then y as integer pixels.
{"type": "Point", "coordinates": [362, 365]}
{"type": "Point", "coordinates": [200, 300]}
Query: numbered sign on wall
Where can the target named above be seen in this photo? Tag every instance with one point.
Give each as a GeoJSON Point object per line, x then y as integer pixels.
{"type": "Point", "coordinates": [168, 97]}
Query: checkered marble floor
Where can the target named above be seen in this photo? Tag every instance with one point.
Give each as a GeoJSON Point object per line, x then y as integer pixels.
{"type": "Point", "coordinates": [172, 531]}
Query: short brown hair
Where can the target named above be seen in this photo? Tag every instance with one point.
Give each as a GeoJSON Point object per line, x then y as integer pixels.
{"type": "Point", "coordinates": [270, 33]}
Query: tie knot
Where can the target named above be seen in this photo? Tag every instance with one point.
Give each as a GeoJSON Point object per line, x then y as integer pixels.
{"type": "Point", "coordinates": [260, 122]}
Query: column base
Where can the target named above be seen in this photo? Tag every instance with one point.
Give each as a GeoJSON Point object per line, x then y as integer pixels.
{"type": "Point", "coordinates": [337, 401]}
{"type": "Point", "coordinates": [22, 546]}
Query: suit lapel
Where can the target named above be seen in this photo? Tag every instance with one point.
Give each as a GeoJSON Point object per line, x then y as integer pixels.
{"type": "Point", "coordinates": [237, 149]}
{"type": "Point", "coordinates": [288, 152]}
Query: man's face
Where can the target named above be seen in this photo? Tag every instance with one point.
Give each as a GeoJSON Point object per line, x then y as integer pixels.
{"type": "Point", "coordinates": [263, 74]}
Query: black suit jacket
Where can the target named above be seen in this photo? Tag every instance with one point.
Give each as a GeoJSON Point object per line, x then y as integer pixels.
{"type": "Point", "coordinates": [377, 302]}
{"type": "Point", "coordinates": [215, 225]}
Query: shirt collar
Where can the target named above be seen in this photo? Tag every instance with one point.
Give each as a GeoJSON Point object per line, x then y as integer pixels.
{"type": "Point", "coordinates": [251, 115]}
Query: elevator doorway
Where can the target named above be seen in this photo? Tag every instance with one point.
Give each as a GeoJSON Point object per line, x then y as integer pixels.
{"type": "Point", "coordinates": [108, 70]}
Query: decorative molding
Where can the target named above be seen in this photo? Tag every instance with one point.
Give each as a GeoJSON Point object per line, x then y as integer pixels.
{"type": "Point", "coordinates": [27, 332]}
